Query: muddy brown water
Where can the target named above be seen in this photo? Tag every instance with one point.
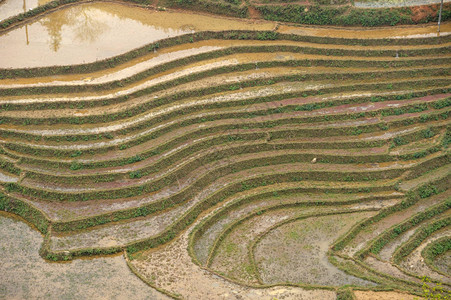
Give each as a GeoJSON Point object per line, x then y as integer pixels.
{"type": "Point", "coordinates": [88, 32]}
{"type": "Point", "coordinates": [25, 275]}
{"type": "Point", "coordinates": [79, 34]}
{"type": "Point", "coordinates": [93, 31]}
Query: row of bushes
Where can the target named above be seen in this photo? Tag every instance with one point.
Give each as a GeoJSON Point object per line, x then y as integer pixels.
{"type": "Point", "coordinates": [223, 150]}
{"type": "Point", "coordinates": [315, 14]}
{"type": "Point", "coordinates": [218, 147]}
{"type": "Point", "coordinates": [424, 191]}
{"type": "Point", "coordinates": [434, 250]}
{"type": "Point", "coordinates": [213, 115]}
{"type": "Point", "coordinates": [279, 190]}
{"type": "Point", "coordinates": [9, 167]}
{"type": "Point", "coordinates": [232, 132]}
{"type": "Point", "coordinates": [212, 173]}
{"type": "Point", "coordinates": [144, 211]}
{"type": "Point", "coordinates": [235, 68]}
{"type": "Point", "coordinates": [423, 194]}
{"type": "Point", "coordinates": [261, 196]}
{"type": "Point", "coordinates": [346, 15]}
{"type": "Point", "coordinates": [24, 210]}
{"type": "Point", "coordinates": [420, 235]}
{"type": "Point", "coordinates": [209, 35]}
{"type": "Point", "coordinates": [359, 268]}
{"type": "Point", "coordinates": [412, 73]}
{"type": "Point", "coordinates": [230, 8]}
{"type": "Point", "coordinates": [376, 246]}
{"type": "Point", "coordinates": [190, 216]}
{"type": "Point", "coordinates": [221, 142]}
{"type": "Point", "coordinates": [154, 103]}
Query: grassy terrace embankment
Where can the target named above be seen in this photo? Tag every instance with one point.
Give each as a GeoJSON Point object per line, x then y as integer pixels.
{"type": "Point", "coordinates": [335, 146]}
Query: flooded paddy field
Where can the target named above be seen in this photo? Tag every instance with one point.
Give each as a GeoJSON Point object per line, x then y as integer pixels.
{"type": "Point", "coordinates": [90, 32]}
{"type": "Point", "coordinates": [9, 8]}
{"type": "Point", "coordinates": [241, 159]}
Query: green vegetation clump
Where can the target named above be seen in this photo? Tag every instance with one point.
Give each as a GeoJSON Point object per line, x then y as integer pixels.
{"type": "Point", "coordinates": [344, 16]}
{"type": "Point", "coordinates": [363, 133]}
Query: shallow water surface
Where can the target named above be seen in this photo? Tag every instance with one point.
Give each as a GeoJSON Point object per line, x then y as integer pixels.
{"type": "Point", "coordinates": [88, 32]}
{"type": "Point", "coordinates": [25, 275]}
{"type": "Point", "coordinates": [9, 8]}
{"type": "Point", "coordinates": [82, 33]}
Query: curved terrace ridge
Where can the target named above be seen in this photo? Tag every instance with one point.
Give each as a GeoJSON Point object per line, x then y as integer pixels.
{"type": "Point", "coordinates": [234, 159]}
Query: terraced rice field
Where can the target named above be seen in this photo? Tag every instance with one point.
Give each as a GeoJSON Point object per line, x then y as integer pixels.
{"type": "Point", "coordinates": [252, 163]}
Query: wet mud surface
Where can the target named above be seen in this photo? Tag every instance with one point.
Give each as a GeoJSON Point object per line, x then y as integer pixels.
{"type": "Point", "coordinates": [25, 275]}
{"type": "Point", "coordinates": [170, 267]}
{"type": "Point", "coordinates": [302, 245]}
{"type": "Point", "coordinates": [443, 263]}
{"type": "Point", "coordinates": [414, 263]}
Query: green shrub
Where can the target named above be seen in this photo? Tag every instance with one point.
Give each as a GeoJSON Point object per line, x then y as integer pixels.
{"type": "Point", "coordinates": [135, 174]}
{"type": "Point", "coordinates": [76, 166]}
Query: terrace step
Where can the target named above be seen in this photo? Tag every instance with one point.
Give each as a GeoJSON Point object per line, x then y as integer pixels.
{"type": "Point", "coordinates": [119, 190]}
{"type": "Point", "coordinates": [70, 185]}
{"type": "Point", "coordinates": [176, 52]}
{"type": "Point", "coordinates": [279, 87]}
{"type": "Point", "coordinates": [141, 80]}
{"type": "Point", "coordinates": [361, 240]}
{"type": "Point", "coordinates": [305, 242]}
{"type": "Point", "coordinates": [203, 237]}
{"type": "Point", "coordinates": [220, 145]}
{"type": "Point", "coordinates": [227, 124]}
{"type": "Point", "coordinates": [439, 173]}
{"type": "Point", "coordinates": [414, 262]}
{"type": "Point", "coordinates": [313, 106]}
{"type": "Point", "coordinates": [314, 143]}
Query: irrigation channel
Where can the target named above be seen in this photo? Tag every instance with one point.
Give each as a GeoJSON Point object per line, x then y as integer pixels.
{"type": "Point", "coordinates": [167, 154]}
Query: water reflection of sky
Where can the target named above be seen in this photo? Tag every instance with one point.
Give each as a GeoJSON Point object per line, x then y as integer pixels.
{"type": "Point", "coordinates": [83, 33]}
{"type": "Point", "coordinates": [9, 8]}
